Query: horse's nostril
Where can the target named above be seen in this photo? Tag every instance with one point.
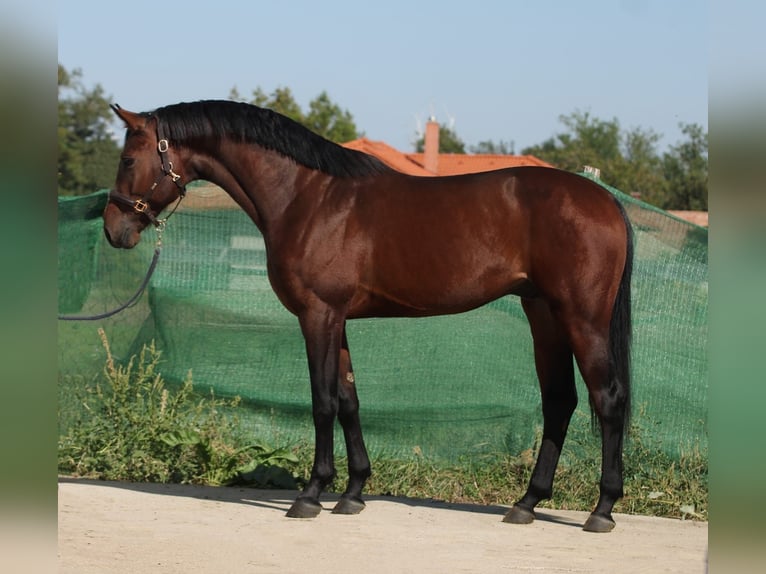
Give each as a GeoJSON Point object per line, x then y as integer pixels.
{"type": "Point", "coordinates": [108, 235]}
{"type": "Point", "coordinates": [122, 239]}
{"type": "Point", "coordinates": [126, 239]}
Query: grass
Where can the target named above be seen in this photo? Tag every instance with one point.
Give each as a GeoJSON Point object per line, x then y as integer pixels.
{"type": "Point", "coordinates": [133, 427]}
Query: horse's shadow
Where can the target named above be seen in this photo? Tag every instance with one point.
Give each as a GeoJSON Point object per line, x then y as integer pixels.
{"type": "Point", "coordinates": [280, 500]}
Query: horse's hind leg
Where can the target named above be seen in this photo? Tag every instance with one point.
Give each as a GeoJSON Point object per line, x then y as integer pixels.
{"type": "Point", "coordinates": [348, 414]}
{"type": "Point", "coordinates": [609, 400]}
{"type": "Point", "coordinates": [555, 371]}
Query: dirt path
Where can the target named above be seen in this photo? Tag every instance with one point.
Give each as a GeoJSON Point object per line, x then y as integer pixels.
{"type": "Point", "coordinates": [138, 528]}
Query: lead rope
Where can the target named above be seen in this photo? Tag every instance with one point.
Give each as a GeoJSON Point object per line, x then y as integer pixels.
{"type": "Point", "coordinates": [134, 299]}
{"type": "Point", "coordinates": [141, 206]}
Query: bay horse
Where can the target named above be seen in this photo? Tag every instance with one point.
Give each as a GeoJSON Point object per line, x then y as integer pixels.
{"type": "Point", "coordinates": [348, 237]}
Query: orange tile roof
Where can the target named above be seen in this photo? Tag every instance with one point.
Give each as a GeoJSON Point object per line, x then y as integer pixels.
{"type": "Point", "coordinates": [388, 155]}
{"type": "Point", "coordinates": [449, 163]}
{"type": "Point", "coordinates": [696, 217]}
{"type": "Point", "coordinates": [457, 163]}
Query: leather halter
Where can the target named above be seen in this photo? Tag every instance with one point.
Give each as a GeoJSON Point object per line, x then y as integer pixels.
{"type": "Point", "coordinates": [142, 205]}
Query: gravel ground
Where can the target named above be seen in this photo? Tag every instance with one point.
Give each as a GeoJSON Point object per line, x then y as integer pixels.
{"type": "Point", "coordinates": [135, 528]}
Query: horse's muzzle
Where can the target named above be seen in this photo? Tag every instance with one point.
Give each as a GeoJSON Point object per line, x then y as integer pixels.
{"type": "Point", "coordinates": [125, 237]}
{"type": "Point", "coordinates": [121, 230]}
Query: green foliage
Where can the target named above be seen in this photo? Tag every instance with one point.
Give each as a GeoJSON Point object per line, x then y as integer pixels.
{"type": "Point", "coordinates": [686, 165]}
{"type": "Point", "coordinates": [638, 169]}
{"type": "Point", "coordinates": [449, 142]}
{"type": "Point", "coordinates": [324, 116]}
{"type": "Point", "coordinates": [630, 162]}
{"type": "Point", "coordinates": [281, 100]}
{"type": "Point", "coordinates": [327, 119]}
{"type": "Point", "coordinates": [135, 428]}
{"type": "Point", "coordinates": [490, 147]}
{"type": "Point", "coordinates": [87, 153]}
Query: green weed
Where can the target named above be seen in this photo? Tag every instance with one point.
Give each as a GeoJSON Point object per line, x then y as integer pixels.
{"type": "Point", "coordinates": [133, 427]}
{"type": "Point", "coordinates": [655, 484]}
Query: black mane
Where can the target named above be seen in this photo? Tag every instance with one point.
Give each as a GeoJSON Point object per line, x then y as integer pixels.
{"type": "Point", "coordinates": [220, 119]}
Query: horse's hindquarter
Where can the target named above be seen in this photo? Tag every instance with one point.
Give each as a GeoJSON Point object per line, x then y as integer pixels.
{"type": "Point", "coordinates": [577, 238]}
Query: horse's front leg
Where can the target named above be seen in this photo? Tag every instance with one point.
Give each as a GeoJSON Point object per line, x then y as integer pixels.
{"type": "Point", "coordinates": [322, 331]}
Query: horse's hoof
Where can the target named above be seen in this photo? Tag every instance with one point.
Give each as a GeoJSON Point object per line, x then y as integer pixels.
{"type": "Point", "coordinates": [349, 505]}
{"type": "Point", "coordinates": [519, 515]}
{"type": "Point", "coordinates": [598, 523]}
{"type": "Point", "coordinates": [304, 508]}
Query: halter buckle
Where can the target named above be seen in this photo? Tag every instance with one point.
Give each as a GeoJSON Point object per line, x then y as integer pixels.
{"type": "Point", "coordinates": [140, 206]}
{"type": "Point", "coordinates": [163, 146]}
{"type": "Point", "coordinates": [173, 175]}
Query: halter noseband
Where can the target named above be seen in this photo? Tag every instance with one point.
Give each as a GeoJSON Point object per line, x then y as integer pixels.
{"type": "Point", "coordinates": [142, 205]}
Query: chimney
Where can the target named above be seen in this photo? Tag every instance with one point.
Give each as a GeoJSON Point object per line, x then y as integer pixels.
{"type": "Point", "coordinates": [431, 146]}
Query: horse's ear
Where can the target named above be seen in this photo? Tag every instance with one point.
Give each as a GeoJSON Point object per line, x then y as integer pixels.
{"type": "Point", "coordinates": [132, 120]}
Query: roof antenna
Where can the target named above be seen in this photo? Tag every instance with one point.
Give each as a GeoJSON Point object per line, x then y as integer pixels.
{"type": "Point", "coordinates": [450, 118]}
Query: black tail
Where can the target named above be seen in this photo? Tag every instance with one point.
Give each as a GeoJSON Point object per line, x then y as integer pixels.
{"type": "Point", "coordinates": [620, 333]}
{"type": "Point", "coordinates": [620, 328]}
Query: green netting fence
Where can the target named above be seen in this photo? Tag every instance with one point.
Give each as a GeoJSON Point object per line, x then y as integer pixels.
{"type": "Point", "coordinates": [444, 386]}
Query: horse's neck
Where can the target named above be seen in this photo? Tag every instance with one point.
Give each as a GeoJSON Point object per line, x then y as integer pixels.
{"type": "Point", "coordinates": [264, 183]}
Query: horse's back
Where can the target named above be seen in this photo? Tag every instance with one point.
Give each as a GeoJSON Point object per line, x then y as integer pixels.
{"type": "Point", "coordinates": [437, 245]}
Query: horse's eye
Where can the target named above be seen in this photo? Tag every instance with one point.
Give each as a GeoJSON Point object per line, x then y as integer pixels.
{"type": "Point", "coordinates": [128, 162]}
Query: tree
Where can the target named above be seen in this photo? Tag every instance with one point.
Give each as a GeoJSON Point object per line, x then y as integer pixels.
{"type": "Point", "coordinates": [490, 147]}
{"type": "Point", "coordinates": [281, 100]}
{"type": "Point", "coordinates": [685, 168]}
{"type": "Point", "coordinates": [449, 142]}
{"type": "Point", "coordinates": [588, 141]}
{"type": "Point", "coordinates": [324, 116]}
{"type": "Point", "coordinates": [630, 162]}
{"type": "Point", "coordinates": [87, 153]}
{"type": "Point", "coordinates": [638, 170]}
{"type": "Point", "coordinates": [329, 120]}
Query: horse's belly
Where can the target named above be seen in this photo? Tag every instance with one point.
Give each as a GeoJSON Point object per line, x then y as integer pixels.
{"type": "Point", "coordinates": [427, 297]}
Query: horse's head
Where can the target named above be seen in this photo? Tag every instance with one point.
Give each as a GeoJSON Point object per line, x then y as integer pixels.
{"type": "Point", "coordinates": [147, 180]}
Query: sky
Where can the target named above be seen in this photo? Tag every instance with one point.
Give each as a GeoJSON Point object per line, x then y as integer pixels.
{"type": "Point", "coordinates": [495, 70]}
